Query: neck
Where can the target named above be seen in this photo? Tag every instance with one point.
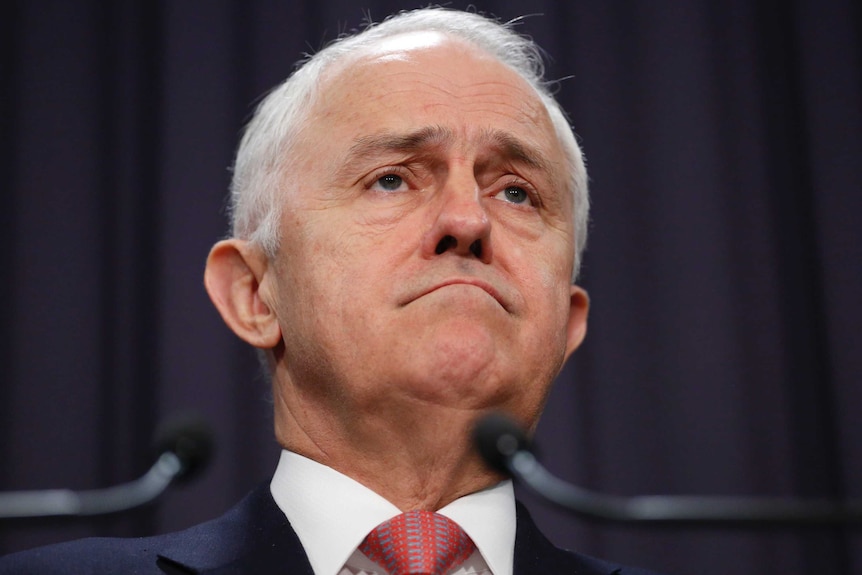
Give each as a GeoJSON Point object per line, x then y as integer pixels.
{"type": "Point", "coordinates": [420, 462]}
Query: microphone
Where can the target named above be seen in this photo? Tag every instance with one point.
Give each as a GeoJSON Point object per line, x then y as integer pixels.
{"type": "Point", "coordinates": [184, 447]}
{"type": "Point", "coordinates": [504, 447]}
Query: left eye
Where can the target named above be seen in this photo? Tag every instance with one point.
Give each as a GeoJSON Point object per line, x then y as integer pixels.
{"type": "Point", "coordinates": [515, 195]}
{"type": "Point", "coordinates": [390, 182]}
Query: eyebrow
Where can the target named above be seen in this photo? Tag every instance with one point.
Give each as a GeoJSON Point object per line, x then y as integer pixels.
{"type": "Point", "coordinates": [366, 147]}
{"type": "Point", "coordinates": [505, 144]}
{"type": "Point", "coordinates": [516, 149]}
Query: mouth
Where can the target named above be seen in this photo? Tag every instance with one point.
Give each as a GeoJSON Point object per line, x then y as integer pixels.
{"type": "Point", "coordinates": [472, 282]}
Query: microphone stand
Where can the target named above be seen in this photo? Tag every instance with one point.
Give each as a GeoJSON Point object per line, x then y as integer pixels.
{"type": "Point", "coordinates": [504, 446]}
{"type": "Point", "coordinates": [185, 448]}
{"type": "Point", "coordinates": [62, 502]}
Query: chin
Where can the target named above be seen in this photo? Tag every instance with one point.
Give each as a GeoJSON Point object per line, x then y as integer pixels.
{"type": "Point", "coordinates": [462, 366]}
{"type": "Point", "coordinates": [464, 386]}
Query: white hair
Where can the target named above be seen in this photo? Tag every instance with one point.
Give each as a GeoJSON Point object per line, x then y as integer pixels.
{"type": "Point", "coordinates": [261, 160]}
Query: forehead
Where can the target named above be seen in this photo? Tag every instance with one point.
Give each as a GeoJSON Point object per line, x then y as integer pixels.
{"type": "Point", "coordinates": [426, 79]}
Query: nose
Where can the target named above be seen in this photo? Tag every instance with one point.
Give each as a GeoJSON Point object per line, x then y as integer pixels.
{"type": "Point", "coordinates": [461, 225]}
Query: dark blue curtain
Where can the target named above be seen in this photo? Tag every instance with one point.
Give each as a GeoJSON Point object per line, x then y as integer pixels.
{"type": "Point", "coordinates": [724, 143]}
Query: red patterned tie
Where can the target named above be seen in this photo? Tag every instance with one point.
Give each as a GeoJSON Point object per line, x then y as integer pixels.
{"type": "Point", "coordinates": [418, 543]}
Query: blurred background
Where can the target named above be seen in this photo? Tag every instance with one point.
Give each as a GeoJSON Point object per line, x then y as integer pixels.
{"type": "Point", "coordinates": [724, 145]}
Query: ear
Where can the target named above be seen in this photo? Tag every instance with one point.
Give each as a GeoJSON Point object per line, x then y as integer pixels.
{"type": "Point", "coordinates": [237, 277]}
{"type": "Point", "coordinates": [579, 307]}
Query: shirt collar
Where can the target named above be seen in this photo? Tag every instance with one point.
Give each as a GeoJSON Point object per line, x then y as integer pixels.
{"type": "Point", "coordinates": [488, 517]}
{"type": "Point", "coordinates": [331, 514]}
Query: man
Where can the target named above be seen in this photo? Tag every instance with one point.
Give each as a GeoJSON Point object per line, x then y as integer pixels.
{"type": "Point", "coordinates": [409, 210]}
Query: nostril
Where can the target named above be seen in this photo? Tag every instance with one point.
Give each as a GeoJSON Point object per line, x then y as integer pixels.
{"type": "Point", "coordinates": [445, 244]}
{"type": "Point", "coordinates": [476, 248]}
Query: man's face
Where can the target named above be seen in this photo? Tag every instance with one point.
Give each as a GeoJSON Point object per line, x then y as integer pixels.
{"type": "Point", "coordinates": [426, 249]}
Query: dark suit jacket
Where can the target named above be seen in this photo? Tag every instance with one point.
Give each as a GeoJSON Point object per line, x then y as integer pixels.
{"type": "Point", "coordinates": [254, 538]}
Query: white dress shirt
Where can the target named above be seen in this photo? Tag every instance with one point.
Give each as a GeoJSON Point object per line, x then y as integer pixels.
{"type": "Point", "coordinates": [331, 514]}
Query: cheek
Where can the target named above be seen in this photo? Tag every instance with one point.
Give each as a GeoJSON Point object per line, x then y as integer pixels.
{"type": "Point", "coordinates": [544, 270]}
{"type": "Point", "coordinates": [343, 271]}
{"type": "Point", "coordinates": [308, 269]}
{"type": "Point", "coordinates": [548, 297]}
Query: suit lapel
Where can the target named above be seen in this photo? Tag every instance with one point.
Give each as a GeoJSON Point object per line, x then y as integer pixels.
{"type": "Point", "coordinates": [253, 537]}
{"type": "Point", "coordinates": [280, 553]}
{"type": "Point", "coordinates": [534, 553]}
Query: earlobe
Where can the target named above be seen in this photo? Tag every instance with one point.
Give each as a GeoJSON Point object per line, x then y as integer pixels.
{"type": "Point", "coordinates": [579, 308]}
{"type": "Point", "coordinates": [235, 275]}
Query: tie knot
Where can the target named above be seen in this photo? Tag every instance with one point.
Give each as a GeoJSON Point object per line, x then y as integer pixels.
{"type": "Point", "coordinates": [418, 543]}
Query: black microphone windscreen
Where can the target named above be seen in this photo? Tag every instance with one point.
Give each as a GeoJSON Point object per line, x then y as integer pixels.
{"type": "Point", "coordinates": [188, 437]}
{"type": "Point", "coordinates": [497, 438]}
